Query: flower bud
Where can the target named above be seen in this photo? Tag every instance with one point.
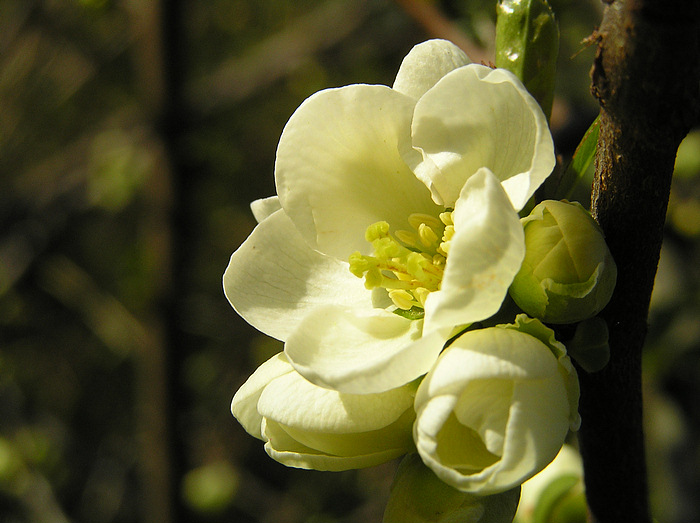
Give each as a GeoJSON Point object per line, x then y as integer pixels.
{"type": "Point", "coordinates": [556, 494]}
{"type": "Point", "coordinates": [496, 407]}
{"type": "Point", "coordinates": [527, 44]}
{"type": "Point", "coordinates": [568, 274]}
{"type": "Point", "coordinates": [310, 427]}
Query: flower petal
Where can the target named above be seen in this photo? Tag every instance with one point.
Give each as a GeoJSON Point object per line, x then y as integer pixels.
{"type": "Point", "coordinates": [281, 447]}
{"type": "Point", "coordinates": [535, 432]}
{"type": "Point", "coordinates": [425, 64]}
{"type": "Point", "coordinates": [340, 169]}
{"type": "Point", "coordinates": [361, 352]}
{"type": "Point", "coordinates": [264, 207]}
{"type": "Point", "coordinates": [495, 123]}
{"type": "Point", "coordinates": [485, 354]}
{"type": "Point", "coordinates": [485, 254]}
{"type": "Point", "coordinates": [311, 427]}
{"type": "Point", "coordinates": [244, 406]}
{"type": "Point", "coordinates": [274, 279]}
{"type": "Point", "coordinates": [295, 402]}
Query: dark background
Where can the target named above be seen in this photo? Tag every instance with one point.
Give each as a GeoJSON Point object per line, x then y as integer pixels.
{"type": "Point", "coordinates": [133, 135]}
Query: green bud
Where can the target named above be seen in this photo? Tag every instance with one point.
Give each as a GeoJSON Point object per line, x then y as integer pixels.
{"type": "Point", "coordinates": [556, 494]}
{"type": "Point", "coordinates": [568, 274]}
{"type": "Point", "coordinates": [527, 44]}
{"type": "Point", "coordinates": [419, 496]}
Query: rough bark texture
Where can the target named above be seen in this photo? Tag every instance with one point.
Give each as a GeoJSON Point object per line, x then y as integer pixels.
{"type": "Point", "coordinates": [646, 78]}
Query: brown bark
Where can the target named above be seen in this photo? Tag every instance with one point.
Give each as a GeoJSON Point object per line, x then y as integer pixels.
{"type": "Point", "coordinates": [646, 78]}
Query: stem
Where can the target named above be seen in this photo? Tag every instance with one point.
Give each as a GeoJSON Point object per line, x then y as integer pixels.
{"type": "Point", "coordinates": [646, 77]}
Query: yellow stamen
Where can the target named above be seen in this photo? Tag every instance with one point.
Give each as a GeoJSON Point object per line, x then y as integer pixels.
{"type": "Point", "coordinates": [409, 265]}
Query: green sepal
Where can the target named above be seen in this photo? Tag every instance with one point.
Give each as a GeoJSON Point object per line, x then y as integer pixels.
{"type": "Point", "coordinates": [527, 44]}
{"type": "Point", "coordinates": [414, 313]}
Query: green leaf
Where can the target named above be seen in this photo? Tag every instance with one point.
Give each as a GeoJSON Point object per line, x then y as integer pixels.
{"type": "Point", "coordinates": [583, 156]}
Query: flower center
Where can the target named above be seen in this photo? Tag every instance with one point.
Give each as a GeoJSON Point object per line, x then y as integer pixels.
{"type": "Point", "coordinates": [409, 264]}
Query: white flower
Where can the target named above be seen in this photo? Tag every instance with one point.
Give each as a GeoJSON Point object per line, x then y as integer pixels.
{"type": "Point", "coordinates": [496, 407]}
{"type": "Point", "coordinates": [307, 426]}
{"type": "Point", "coordinates": [432, 172]}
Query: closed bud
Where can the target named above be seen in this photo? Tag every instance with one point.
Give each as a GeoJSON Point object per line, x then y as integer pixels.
{"type": "Point", "coordinates": [568, 274]}
{"type": "Point", "coordinates": [527, 44]}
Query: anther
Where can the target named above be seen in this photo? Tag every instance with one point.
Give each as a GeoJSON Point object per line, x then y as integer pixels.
{"type": "Point", "coordinates": [418, 218]}
{"type": "Point", "coordinates": [427, 235]}
{"type": "Point", "coordinates": [446, 218]}
{"type": "Point", "coordinates": [402, 299]}
{"type": "Point", "coordinates": [408, 238]}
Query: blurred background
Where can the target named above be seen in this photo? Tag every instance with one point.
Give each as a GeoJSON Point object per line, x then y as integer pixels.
{"type": "Point", "coordinates": [133, 135]}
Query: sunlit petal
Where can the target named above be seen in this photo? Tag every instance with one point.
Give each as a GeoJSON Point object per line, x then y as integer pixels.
{"type": "Point", "coordinates": [361, 352]}
{"type": "Point", "coordinates": [485, 254]}
{"type": "Point", "coordinates": [245, 402]}
{"type": "Point", "coordinates": [496, 124]}
{"type": "Point", "coordinates": [340, 167]}
{"type": "Point", "coordinates": [274, 279]}
{"type": "Point", "coordinates": [427, 63]}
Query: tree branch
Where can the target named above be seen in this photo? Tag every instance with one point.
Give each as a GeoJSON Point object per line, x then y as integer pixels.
{"type": "Point", "coordinates": [646, 76]}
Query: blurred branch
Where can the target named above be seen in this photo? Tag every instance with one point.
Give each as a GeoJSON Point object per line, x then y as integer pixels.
{"type": "Point", "coordinates": [101, 312]}
{"type": "Point", "coordinates": [278, 55]}
{"type": "Point", "coordinates": [438, 25]}
{"type": "Point", "coordinates": [646, 76]}
{"type": "Point", "coordinates": [158, 365]}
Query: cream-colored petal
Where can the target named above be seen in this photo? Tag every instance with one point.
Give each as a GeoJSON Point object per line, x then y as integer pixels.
{"type": "Point", "coordinates": [264, 207]}
{"type": "Point", "coordinates": [340, 167]}
{"type": "Point", "coordinates": [485, 255]}
{"type": "Point", "coordinates": [394, 436]}
{"type": "Point", "coordinates": [492, 353]}
{"type": "Point", "coordinates": [311, 427]}
{"type": "Point", "coordinates": [274, 279]}
{"type": "Point", "coordinates": [537, 426]}
{"type": "Point", "coordinates": [244, 406]}
{"type": "Point", "coordinates": [283, 448]}
{"type": "Point", "coordinates": [294, 402]}
{"type": "Point", "coordinates": [484, 406]}
{"type": "Point", "coordinates": [425, 64]}
{"type": "Point", "coordinates": [361, 352]}
{"type": "Point", "coordinates": [480, 117]}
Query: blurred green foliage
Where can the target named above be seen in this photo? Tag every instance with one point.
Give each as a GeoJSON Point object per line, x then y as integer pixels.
{"type": "Point", "coordinates": [133, 135]}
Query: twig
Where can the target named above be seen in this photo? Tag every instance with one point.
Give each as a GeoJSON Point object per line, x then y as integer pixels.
{"type": "Point", "coordinates": [438, 26]}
